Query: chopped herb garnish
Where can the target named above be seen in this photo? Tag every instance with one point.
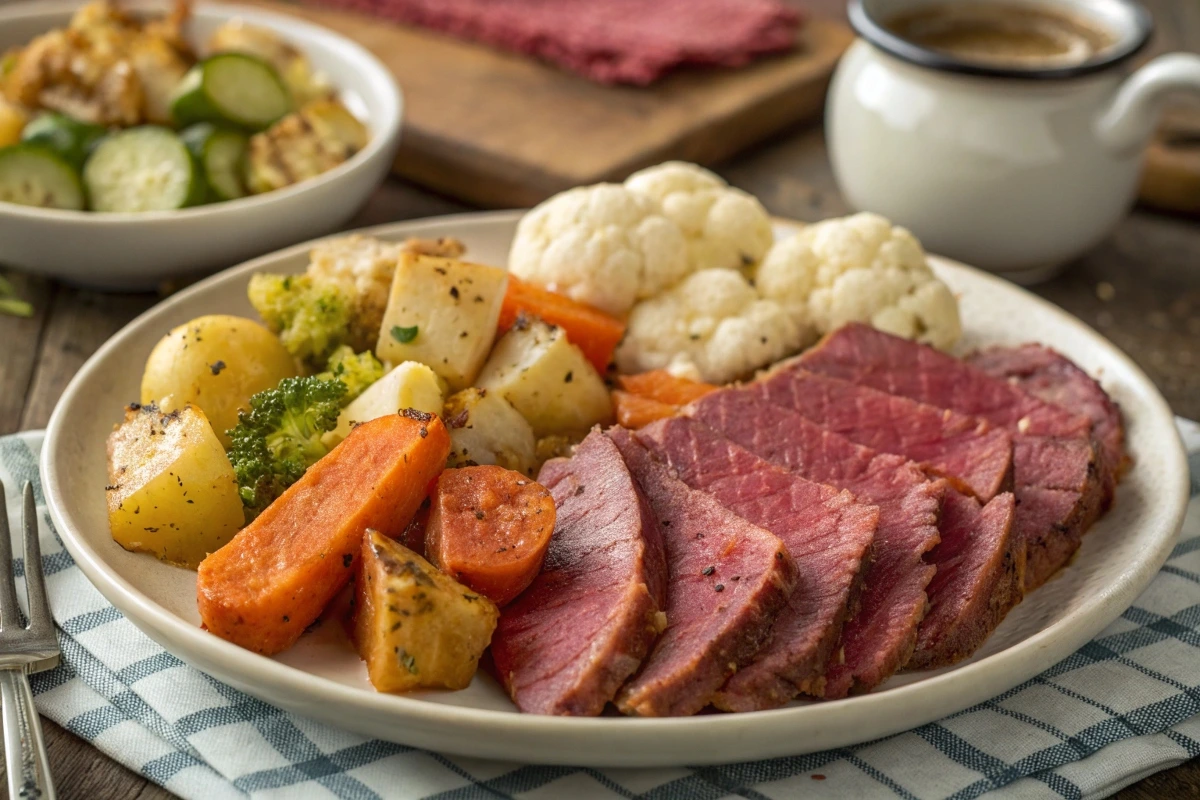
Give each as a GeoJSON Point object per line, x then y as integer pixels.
{"type": "Point", "coordinates": [407, 660]}
{"type": "Point", "coordinates": [216, 367]}
{"type": "Point", "coordinates": [404, 335]}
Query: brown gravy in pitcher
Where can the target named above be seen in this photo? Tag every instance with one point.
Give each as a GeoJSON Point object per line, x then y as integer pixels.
{"type": "Point", "coordinates": [1002, 34]}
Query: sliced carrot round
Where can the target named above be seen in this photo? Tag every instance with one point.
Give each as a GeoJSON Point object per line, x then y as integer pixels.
{"type": "Point", "coordinates": [489, 528]}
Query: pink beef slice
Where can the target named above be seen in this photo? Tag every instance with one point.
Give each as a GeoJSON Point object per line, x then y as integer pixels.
{"type": "Point", "coordinates": [1053, 449]}
{"type": "Point", "coordinates": [826, 531]}
{"type": "Point", "coordinates": [880, 638]}
{"type": "Point", "coordinates": [971, 453]}
{"type": "Point", "coordinates": [977, 583]}
{"type": "Point", "coordinates": [1051, 376]}
{"type": "Point", "coordinates": [710, 632]}
{"type": "Point", "coordinates": [582, 628]}
{"type": "Point", "coordinates": [980, 562]}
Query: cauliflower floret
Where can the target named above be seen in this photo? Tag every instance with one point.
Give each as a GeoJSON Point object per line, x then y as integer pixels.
{"type": "Point", "coordinates": [712, 327]}
{"type": "Point", "coordinates": [725, 227]}
{"type": "Point", "coordinates": [364, 267]}
{"type": "Point", "coordinates": [861, 268]}
{"type": "Point", "coordinates": [602, 245]}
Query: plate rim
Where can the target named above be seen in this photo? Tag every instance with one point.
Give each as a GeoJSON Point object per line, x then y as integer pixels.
{"type": "Point", "coordinates": [951, 691]}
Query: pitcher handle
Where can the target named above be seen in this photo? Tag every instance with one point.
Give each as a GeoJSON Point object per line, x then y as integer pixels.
{"type": "Point", "coordinates": [1125, 126]}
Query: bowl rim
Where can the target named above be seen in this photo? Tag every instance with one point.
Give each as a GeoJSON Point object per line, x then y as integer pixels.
{"type": "Point", "coordinates": [232, 663]}
{"type": "Point", "coordinates": [384, 127]}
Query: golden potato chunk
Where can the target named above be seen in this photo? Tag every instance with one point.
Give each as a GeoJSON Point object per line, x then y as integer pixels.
{"type": "Point", "coordinates": [414, 626]}
{"type": "Point", "coordinates": [171, 490]}
{"type": "Point", "coordinates": [217, 362]}
{"type": "Point", "coordinates": [547, 379]}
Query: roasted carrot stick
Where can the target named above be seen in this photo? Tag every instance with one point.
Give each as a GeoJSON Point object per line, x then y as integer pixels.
{"type": "Point", "coordinates": [592, 331]}
{"type": "Point", "coordinates": [489, 529]}
{"type": "Point", "coordinates": [273, 579]}
{"type": "Point", "coordinates": [636, 411]}
{"type": "Point", "coordinates": [664, 387]}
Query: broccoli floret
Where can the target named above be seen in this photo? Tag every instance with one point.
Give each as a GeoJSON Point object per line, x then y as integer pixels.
{"type": "Point", "coordinates": [312, 318]}
{"type": "Point", "coordinates": [356, 370]}
{"type": "Point", "coordinates": [280, 437]}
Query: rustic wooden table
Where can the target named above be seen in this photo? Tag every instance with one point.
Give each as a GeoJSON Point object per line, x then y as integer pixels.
{"type": "Point", "coordinates": [1140, 288]}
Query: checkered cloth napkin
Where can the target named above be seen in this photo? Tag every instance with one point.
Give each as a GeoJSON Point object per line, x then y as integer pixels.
{"type": "Point", "coordinates": [1123, 707]}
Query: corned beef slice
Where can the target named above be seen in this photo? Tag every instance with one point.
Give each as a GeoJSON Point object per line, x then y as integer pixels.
{"type": "Point", "coordinates": [826, 531]}
{"type": "Point", "coordinates": [977, 581]}
{"type": "Point", "coordinates": [1048, 375]}
{"type": "Point", "coordinates": [613, 41]}
{"type": "Point", "coordinates": [583, 627]}
{"type": "Point", "coordinates": [898, 366]}
{"type": "Point", "coordinates": [880, 638]}
{"type": "Point", "coordinates": [973, 454]}
{"type": "Point", "coordinates": [980, 558]}
{"type": "Point", "coordinates": [709, 633]}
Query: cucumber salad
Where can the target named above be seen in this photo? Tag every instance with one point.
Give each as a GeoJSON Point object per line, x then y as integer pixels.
{"type": "Point", "coordinates": [123, 113]}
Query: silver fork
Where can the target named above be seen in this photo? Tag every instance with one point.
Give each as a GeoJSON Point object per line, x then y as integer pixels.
{"type": "Point", "coordinates": [23, 651]}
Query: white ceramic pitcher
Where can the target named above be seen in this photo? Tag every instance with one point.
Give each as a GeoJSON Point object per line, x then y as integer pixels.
{"type": "Point", "coordinates": [1015, 171]}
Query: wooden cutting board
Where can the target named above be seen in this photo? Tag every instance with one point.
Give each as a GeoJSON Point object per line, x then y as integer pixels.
{"type": "Point", "coordinates": [502, 130]}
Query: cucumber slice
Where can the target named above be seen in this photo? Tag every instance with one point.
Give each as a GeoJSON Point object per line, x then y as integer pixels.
{"type": "Point", "coordinates": [31, 175]}
{"type": "Point", "coordinates": [221, 153]}
{"type": "Point", "coordinates": [143, 169]}
{"type": "Point", "coordinates": [231, 88]}
{"type": "Point", "coordinates": [70, 138]}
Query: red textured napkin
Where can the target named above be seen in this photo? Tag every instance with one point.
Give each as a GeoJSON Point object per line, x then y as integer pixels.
{"type": "Point", "coordinates": [612, 41]}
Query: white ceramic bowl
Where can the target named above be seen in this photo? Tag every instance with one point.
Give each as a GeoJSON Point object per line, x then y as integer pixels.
{"type": "Point", "coordinates": [139, 251]}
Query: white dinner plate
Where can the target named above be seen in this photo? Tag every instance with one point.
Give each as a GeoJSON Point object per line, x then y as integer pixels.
{"type": "Point", "coordinates": [322, 678]}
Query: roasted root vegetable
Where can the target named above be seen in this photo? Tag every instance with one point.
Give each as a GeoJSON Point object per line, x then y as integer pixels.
{"type": "Point", "coordinates": [489, 528]}
{"type": "Point", "coordinates": [410, 385]}
{"type": "Point", "coordinates": [443, 313]}
{"type": "Point", "coordinates": [415, 627]}
{"type": "Point", "coordinates": [486, 429]}
{"type": "Point", "coordinates": [280, 437]}
{"type": "Point", "coordinates": [302, 145]}
{"type": "Point", "coordinates": [591, 330]}
{"type": "Point", "coordinates": [218, 363]}
{"type": "Point", "coordinates": [274, 578]}
{"type": "Point", "coordinates": [664, 387]}
{"type": "Point", "coordinates": [547, 379]}
{"type": "Point", "coordinates": [636, 411]}
{"type": "Point", "coordinates": [171, 491]}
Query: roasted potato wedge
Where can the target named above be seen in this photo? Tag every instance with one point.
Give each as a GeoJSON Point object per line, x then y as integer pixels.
{"type": "Point", "coordinates": [414, 626]}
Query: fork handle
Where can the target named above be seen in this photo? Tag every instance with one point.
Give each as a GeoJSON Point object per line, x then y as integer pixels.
{"type": "Point", "coordinates": [25, 758]}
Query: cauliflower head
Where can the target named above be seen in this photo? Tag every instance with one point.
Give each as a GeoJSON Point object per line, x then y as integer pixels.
{"type": "Point", "coordinates": [861, 268]}
{"type": "Point", "coordinates": [724, 227]}
{"type": "Point", "coordinates": [602, 245]}
{"type": "Point", "coordinates": [712, 327]}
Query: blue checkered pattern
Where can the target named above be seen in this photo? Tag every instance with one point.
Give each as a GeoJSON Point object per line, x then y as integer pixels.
{"type": "Point", "coordinates": [1123, 707]}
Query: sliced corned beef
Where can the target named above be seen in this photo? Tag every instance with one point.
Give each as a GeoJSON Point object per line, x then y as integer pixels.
{"type": "Point", "coordinates": [1049, 375]}
{"type": "Point", "coordinates": [709, 633]}
{"type": "Point", "coordinates": [880, 638]}
{"type": "Point", "coordinates": [827, 532]}
{"type": "Point", "coordinates": [973, 454]}
{"type": "Point", "coordinates": [583, 627]}
{"type": "Point", "coordinates": [900, 366]}
{"type": "Point", "coordinates": [978, 579]}
{"type": "Point", "coordinates": [864, 355]}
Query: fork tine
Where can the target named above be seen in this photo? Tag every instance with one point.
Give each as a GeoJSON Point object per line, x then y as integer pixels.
{"type": "Point", "coordinates": [10, 612]}
{"type": "Point", "coordinates": [40, 620]}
